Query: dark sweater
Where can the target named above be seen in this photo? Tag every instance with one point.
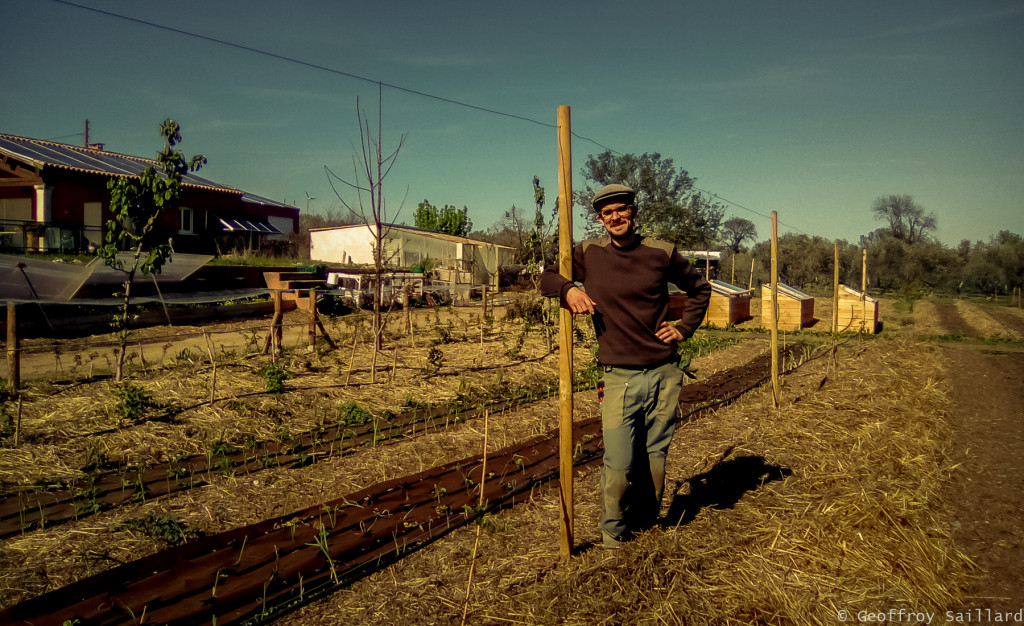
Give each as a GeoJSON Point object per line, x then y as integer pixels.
{"type": "Point", "coordinates": [630, 287]}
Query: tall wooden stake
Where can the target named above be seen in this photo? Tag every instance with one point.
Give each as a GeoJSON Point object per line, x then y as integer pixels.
{"type": "Point", "coordinates": [565, 446]}
{"type": "Point", "coordinates": [835, 289]}
{"type": "Point", "coordinates": [864, 292]}
{"type": "Point", "coordinates": [311, 331]}
{"type": "Point", "coordinates": [750, 282]}
{"type": "Point", "coordinates": [13, 352]}
{"type": "Point", "coordinates": [775, 309]}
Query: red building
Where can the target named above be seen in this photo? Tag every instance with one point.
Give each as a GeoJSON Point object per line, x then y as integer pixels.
{"type": "Point", "coordinates": [54, 199]}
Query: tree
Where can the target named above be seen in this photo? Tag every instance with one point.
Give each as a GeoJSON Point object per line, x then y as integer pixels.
{"type": "Point", "coordinates": [907, 221]}
{"type": "Point", "coordinates": [996, 266]}
{"type": "Point", "coordinates": [370, 167]}
{"type": "Point", "coordinates": [804, 261]}
{"type": "Point", "coordinates": [448, 220]}
{"type": "Point", "coordinates": [510, 231]}
{"type": "Point", "coordinates": [669, 208]}
{"type": "Point", "coordinates": [540, 242]}
{"type": "Point", "coordinates": [735, 231]}
{"type": "Point", "coordinates": [138, 206]}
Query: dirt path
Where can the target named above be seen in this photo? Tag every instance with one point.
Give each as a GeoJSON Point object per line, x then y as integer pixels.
{"type": "Point", "coordinates": [987, 417]}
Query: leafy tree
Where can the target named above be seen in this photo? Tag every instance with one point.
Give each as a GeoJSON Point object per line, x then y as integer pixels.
{"type": "Point", "coordinates": [540, 242]}
{"type": "Point", "coordinates": [669, 207]}
{"type": "Point", "coordinates": [996, 266]}
{"type": "Point", "coordinates": [735, 231]}
{"type": "Point", "coordinates": [907, 221]}
{"type": "Point", "coordinates": [138, 206]}
{"type": "Point", "coordinates": [448, 219]}
{"type": "Point", "coordinates": [804, 261]}
{"type": "Point", "coordinates": [894, 263]}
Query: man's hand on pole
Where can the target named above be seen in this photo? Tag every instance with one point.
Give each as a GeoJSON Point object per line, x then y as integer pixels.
{"type": "Point", "coordinates": [577, 301]}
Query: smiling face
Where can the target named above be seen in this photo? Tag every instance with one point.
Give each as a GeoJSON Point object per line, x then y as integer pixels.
{"type": "Point", "coordinates": [618, 218]}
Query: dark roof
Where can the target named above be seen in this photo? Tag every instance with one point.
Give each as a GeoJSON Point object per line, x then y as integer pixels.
{"type": "Point", "coordinates": [251, 198]}
{"type": "Point", "coordinates": [41, 153]}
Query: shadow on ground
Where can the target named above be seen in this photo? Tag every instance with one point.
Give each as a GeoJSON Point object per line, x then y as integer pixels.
{"type": "Point", "coordinates": [721, 487]}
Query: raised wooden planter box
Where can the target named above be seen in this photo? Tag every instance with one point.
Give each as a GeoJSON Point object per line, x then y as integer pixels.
{"type": "Point", "coordinates": [853, 312]}
{"type": "Point", "coordinates": [796, 308]}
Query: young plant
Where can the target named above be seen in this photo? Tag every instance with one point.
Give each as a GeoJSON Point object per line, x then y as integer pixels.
{"type": "Point", "coordinates": [132, 402]}
{"type": "Point", "coordinates": [135, 239]}
{"type": "Point", "coordinates": [321, 542]}
{"type": "Point", "coordinates": [163, 528]}
{"type": "Point", "coordinates": [273, 377]}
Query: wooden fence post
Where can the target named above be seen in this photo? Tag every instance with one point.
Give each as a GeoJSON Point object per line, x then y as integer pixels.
{"type": "Point", "coordinates": [407, 304]}
{"type": "Point", "coordinates": [275, 337]}
{"type": "Point", "coordinates": [13, 347]}
{"type": "Point", "coordinates": [565, 331]}
{"type": "Point", "coordinates": [312, 320]}
{"type": "Point", "coordinates": [864, 292]}
{"type": "Point", "coordinates": [775, 309]}
{"type": "Point", "coordinates": [835, 289]}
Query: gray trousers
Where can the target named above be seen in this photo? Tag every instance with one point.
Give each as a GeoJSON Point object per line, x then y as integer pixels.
{"type": "Point", "coordinates": [638, 419]}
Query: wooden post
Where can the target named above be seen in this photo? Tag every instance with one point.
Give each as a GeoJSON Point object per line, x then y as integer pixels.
{"type": "Point", "coordinates": [864, 292]}
{"type": "Point", "coordinates": [775, 309]}
{"type": "Point", "coordinates": [483, 315]}
{"type": "Point", "coordinates": [17, 426]}
{"type": "Point", "coordinates": [707, 264]}
{"type": "Point", "coordinates": [13, 351]}
{"type": "Point", "coordinates": [312, 320]}
{"type": "Point", "coordinates": [835, 289]}
{"type": "Point", "coordinates": [750, 283]}
{"type": "Point", "coordinates": [167, 313]}
{"type": "Point", "coordinates": [565, 443]}
{"type": "Point", "coordinates": [274, 338]}
{"type": "Point", "coordinates": [732, 278]}
{"type": "Point", "coordinates": [407, 304]}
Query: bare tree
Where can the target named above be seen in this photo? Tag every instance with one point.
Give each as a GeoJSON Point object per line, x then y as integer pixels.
{"type": "Point", "coordinates": [907, 221]}
{"type": "Point", "coordinates": [370, 167]}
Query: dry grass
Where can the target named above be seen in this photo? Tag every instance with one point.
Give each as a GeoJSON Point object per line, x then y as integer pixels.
{"type": "Point", "coordinates": [984, 323]}
{"type": "Point", "coordinates": [832, 502]}
{"type": "Point", "coordinates": [66, 427]}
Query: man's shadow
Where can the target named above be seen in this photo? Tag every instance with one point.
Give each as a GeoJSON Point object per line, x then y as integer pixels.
{"type": "Point", "coordinates": [721, 487]}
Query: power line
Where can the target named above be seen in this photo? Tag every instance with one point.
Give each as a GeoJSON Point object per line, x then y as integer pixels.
{"type": "Point", "coordinates": [317, 66]}
{"type": "Point", "coordinates": [380, 83]}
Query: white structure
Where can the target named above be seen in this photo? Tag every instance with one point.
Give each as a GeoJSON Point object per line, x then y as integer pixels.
{"type": "Point", "coordinates": [455, 260]}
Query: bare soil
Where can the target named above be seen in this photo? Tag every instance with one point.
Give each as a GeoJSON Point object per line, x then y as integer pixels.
{"type": "Point", "coordinates": [987, 416]}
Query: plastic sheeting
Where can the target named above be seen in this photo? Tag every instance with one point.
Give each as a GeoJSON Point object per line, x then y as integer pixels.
{"type": "Point", "coordinates": [42, 280]}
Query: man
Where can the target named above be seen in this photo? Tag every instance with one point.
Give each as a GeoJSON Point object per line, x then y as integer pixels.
{"type": "Point", "coordinates": [624, 279]}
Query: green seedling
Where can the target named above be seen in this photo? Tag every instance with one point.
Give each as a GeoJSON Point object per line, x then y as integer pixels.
{"type": "Point", "coordinates": [161, 528]}
{"type": "Point", "coordinates": [273, 377]}
{"type": "Point", "coordinates": [322, 543]}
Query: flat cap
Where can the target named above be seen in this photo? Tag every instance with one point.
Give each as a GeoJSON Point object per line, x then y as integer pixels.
{"type": "Point", "coordinates": [613, 193]}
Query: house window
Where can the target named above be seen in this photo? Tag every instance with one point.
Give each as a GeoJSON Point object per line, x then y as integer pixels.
{"type": "Point", "coordinates": [185, 224]}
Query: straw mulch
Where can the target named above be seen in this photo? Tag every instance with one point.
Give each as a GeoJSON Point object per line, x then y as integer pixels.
{"type": "Point", "coordinates": [985, 324]}
{"type": "Point", "coordinates": [67, 427]}
{"type": "Point", "coordinates": [834, 502]}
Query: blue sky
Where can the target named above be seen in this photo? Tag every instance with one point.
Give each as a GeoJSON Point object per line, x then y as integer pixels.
{"type": "Point", "coordinates": [810, 108]}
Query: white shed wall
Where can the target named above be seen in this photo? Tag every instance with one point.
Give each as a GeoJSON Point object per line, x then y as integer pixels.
{"type": "Point", "coordinates": [407, 248]}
